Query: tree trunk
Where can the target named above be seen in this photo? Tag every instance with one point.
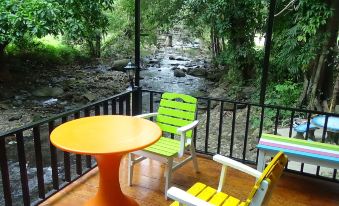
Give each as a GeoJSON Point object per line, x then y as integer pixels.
{"type": "Point", "coordinates": [169, 40]}
{"type": "Point", "coordinates": [322, 71]}
{"type": "Point", "coordinates": [5, 75]}
{"type": "Point", "coordinates": [335, 94]}
{"type": "Point", "coordinates": [98, 45]}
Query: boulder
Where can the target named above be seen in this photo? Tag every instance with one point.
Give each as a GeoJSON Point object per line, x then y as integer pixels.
{"type": "Point", "coordinates": [48, 92]}
{"type": "Point", "coordinates": [198, 72]}
{"type": "Point", "coordinates": [179, 73]}
{"type": "Point", "coordinates": [89, 96]}
{"type": "Point", "coordinates": [119, 65]}
{"type": "Point", "coordinates": [15, 117]}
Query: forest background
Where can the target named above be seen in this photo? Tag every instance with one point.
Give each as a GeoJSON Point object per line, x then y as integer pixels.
{"type": "Point", "coordinates": [304, 58]}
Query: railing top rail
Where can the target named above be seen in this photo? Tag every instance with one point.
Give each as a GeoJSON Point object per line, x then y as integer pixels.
{"type": "Point", "coordinates": [43, 121]}
{"type": "Point", "coordinates": [258, 105]}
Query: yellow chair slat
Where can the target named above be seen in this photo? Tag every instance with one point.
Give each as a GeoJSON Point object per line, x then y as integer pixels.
{"type": "Point", "coordinates": [218, 199]}
{"type": "Point", "coordinates": [207, 193]}
{"type": "Point", "coordinates": [196, 188]}
{"type": "Point", "coordinates": [231, 201]}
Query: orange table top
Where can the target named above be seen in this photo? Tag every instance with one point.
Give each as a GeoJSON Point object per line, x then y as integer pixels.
{"type": "Point", "coordinates": [107, 134]}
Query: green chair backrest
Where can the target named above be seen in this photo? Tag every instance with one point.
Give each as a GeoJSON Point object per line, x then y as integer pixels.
{"type": "Point", "coordinates": [176, 110]}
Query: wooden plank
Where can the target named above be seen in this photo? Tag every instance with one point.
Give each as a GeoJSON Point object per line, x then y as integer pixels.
{"type": "Point", "coordinates": [148, 186]}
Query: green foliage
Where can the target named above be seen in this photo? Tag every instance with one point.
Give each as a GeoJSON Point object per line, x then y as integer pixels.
{"type": "Point", "coordinates": [298, 38]}
{"type": "Point", "coordinates": [31, 18]}
{"type": "Point", "coordinates": [46, 51]}
{"type": "Point", "coordinates": [280, 94]}
{"type": "Point", "coordinates": [83, 20]}
{"type": "Point", "coordinates": [284, 94]}
{"type": "Point", "coordinates": [235, 24]}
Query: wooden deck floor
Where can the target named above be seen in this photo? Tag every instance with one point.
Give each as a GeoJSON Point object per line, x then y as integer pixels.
{"type": "Point", "coordinates": [292, 190]}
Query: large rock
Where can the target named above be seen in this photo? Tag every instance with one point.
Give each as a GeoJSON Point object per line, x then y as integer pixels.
{"type": "Point", "coordinates": [48, 92]}
{"type": "Point", "coordinates": [179, 73]}
{"type": "Point", "coordinates": [119, 65]}
{"type": "Point", "coordinates": [197, 71]}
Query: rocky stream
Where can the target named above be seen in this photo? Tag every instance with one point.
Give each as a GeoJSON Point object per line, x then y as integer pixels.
{"type": "Point", "coordinates": [37, 93]}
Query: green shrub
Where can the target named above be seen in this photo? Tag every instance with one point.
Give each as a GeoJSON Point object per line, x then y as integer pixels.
{"type": "Point", "coordinates": [46, 50]}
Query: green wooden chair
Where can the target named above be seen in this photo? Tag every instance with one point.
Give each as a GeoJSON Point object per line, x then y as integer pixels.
{"type": "Point", "coordinates": [177, 116]}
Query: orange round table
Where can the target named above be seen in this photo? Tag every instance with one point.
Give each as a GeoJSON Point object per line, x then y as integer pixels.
{"type": "Point", "coordinates": [108, 138]}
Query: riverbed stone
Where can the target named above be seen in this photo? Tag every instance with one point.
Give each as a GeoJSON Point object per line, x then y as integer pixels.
{"type": "Point", "coordinates": [48, 92]}
{"type": "Point", "coordinates": [89, 96]}
{"type": "Point", "coordinates": [198, 72]}
{"type": "Point", "coordinates": [15, 117]}
{"type": "Point", "coordinates": [179, 73]}
{"type": "Point", "coordinates": [119, 65]}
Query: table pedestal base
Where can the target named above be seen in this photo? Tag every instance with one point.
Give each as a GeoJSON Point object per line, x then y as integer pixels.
{"type": "Point", "coordinates": [109, 192]}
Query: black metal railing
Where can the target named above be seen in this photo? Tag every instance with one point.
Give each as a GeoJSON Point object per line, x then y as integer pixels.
{"type": "Point", "coordinates": [32, 169]}
{"type": "Point", "coordinates": [233, 129]}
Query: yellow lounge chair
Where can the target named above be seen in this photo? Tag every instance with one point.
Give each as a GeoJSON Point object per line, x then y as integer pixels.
{"type": "Point", "coordinates": [201, 195]}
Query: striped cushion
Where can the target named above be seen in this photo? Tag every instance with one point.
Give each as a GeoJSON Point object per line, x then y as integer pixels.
{"type": "Point", "coordinates": [211, 195]}
{"type": "Point", "coordinates": [300, 147]}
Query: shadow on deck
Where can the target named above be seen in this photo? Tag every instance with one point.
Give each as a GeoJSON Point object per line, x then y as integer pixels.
{"type": "Point", "coordinates": [148, 185]}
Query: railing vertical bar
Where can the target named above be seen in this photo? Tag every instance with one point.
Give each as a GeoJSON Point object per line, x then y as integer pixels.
{"type": "Point", "coordinates": [334, 174]}
{"type": "Point", "coordinates": [195, 129]}
{"type": "Point", "coordinates": [23, 169]}
{"type": "Point", "coordinates": [78, 160]}
{"type": "Point", "coordinates": [88, 157]}
{"type": "Point", "coordinates": [324, 129]}
{"type": "Point", "coordinates": [262, 117]}
{"type": "Point", "coordinates": [276, 121]}
{"type": "Point", "coordinates": [6, 184]}
{"type": "Point", "coordinates": [67, 160]}
{"type": "Point", "coordinates": [114, 106]}
{"type": "Point", "coordinates": [221, 112]}
{"type": "Point", "coordinates": [128, 104]}
{"type": "Point", "coordinates": [233, 128]}
{"type": "Point", "coordinates": [105, 107]}
{"type": "Point", "coordinates": [308, 126]}
{"type": "Point", "coordinates": [246, 132]}
{"type": "Point", "coordinates": [151, 105]}
{"type": "Point", "coordinates": [121, 106]}
{"type": "Point", "coordinates": [97, 110]}
{"type": "Point", "coordinates": [306, 138]}
{"type": "Point", "coordinates": [323, 139]}
{"type": "Point", "coordinates": [54, 159]}
{"type": "Point", "coordinates": [291, 123]}
{"type": "Point", "coordinates": [207, 124]}
{"type": "Point", "coordinates": [261, 126]}
{"type": "Point", "coordinates": [38, 161]}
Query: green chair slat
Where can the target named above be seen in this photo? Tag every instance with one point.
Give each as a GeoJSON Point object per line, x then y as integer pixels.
{"type": "Point", "coordinates": [172, 121]}
{"type": "Point", "coordinates": [184, 97]}
{"type": "Point", "coordinates": [176, 113]}
{"type": "Point", "coordinates": [178, 105]}
{"type": "Point", "coordinates": [172, 129]}
{"type": "Point", "coordinates": [165, 146]}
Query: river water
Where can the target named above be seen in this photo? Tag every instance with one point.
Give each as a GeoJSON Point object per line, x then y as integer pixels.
{"type": "Point", "coordinates": [183, 55]}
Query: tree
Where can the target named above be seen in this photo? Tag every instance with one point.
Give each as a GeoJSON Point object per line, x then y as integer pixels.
{"type": "Point", "coordinates": [305, 44]}
{"type": "Point", "coordinates": [84, 21]}
{"type": "Point", "coordinates": [27, 18]}
{"type": "Point", "coordinates": [232, 26]}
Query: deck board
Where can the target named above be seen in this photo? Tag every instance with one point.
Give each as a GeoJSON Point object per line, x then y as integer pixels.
{"type": "Point", "coordinates": [148, 186]}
